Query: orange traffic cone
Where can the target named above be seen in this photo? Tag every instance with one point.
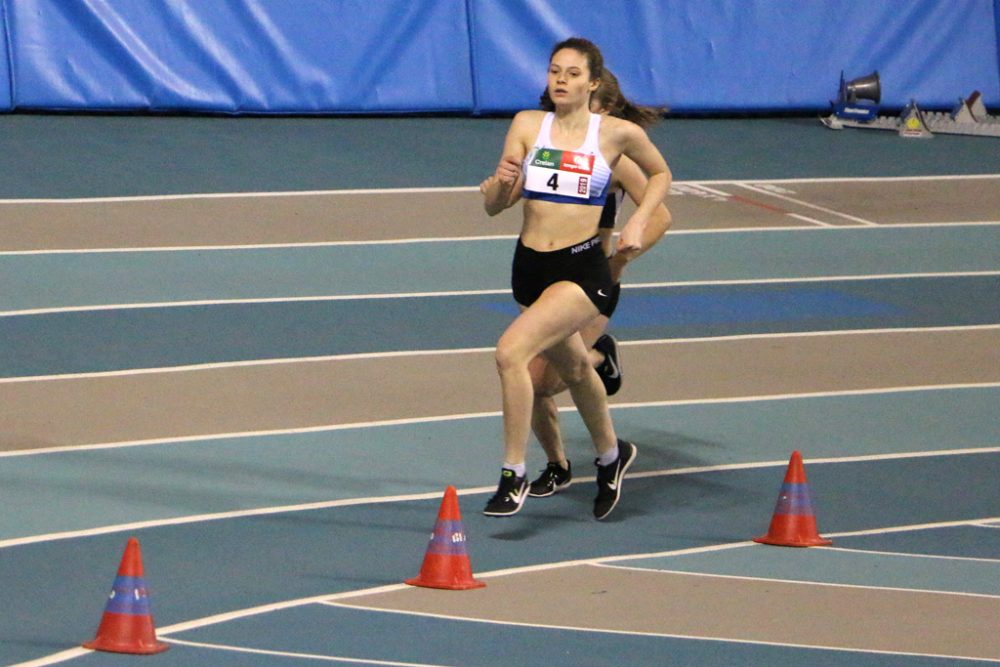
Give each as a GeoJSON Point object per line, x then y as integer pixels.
{"type": "Point", "coordinates": [446, 563]}
{"type": "Point", "coordinates": [793, 523]}
{"type": "Point", "coordinates": [127, 625]}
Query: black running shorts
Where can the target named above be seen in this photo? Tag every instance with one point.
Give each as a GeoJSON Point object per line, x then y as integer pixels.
{"type": "Point", "coordinates": [584, 264]}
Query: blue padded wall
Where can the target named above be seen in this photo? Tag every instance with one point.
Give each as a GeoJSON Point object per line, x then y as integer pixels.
{"type": "Point", "coordinates": [241, 55]}
{"type": "Point", "coordinates": [996, 25]}
{"type": "Point", "coordinates": [5, 81]}
{"type": "Point", "coordinates": [724, 55]}
{"type": "Point", "coordinates": [484, 56]}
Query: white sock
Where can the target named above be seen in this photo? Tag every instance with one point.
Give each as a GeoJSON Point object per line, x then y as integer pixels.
{"type": "Point", "coordinates": [518, 468]}
{"type": "Point", "coordinates": [608, 457]}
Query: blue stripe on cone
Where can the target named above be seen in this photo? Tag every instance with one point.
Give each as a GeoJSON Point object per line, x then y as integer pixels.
{"type": "Point", "coordinates": [129, 597]}
{"type": "Point", "coordinates": [448, 539]}
{"type": "Point", "coordinates": [794, 499]}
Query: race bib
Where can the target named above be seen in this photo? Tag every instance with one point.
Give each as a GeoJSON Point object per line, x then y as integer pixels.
{"type": "Point", "coordinates": [560, 172]}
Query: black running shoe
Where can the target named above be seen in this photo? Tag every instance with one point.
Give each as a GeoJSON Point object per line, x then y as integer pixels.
{"type": "Point", "coordinates": [610, 369]}
{"type": "Point", "coordinates": [552, 479]}
{"type": "Point", "coordinates": [610, 479]}
{"type": "Point", "coordinates": [511, 494]}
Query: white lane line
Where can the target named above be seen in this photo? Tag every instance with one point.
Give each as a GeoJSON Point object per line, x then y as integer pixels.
{"type": "Point", "coordinates": [812, 220]}
{"type": "Point", "coordinates": [813, 279]}
{"type": "Point", "coordinates": [802, 334]}
{"type": "Point", "coordinates": [230, 302]}
{"type": "Point", "coordinates": [883, 227]}
{"type": "Point", "coordinates": [326, 428]}
{"type": "Point", "coordinates": [743, 200]}
{"type": "Point", "coordinates": [799, 202]}
{"type": "Point", "coordinates": [350, 502]}
{"type": "Point", "coordinates": [262, 246]}
{"type": "Point", "coordinates": [666, 635]}
{"type": "Point", "coordinates": [240, 195]}
{"type": "Point", "coordinates": [466, 188]}
{"type": "Point", "coordinates": [855, 179]}
{"type": "Point", "coordinates": [486, 292]}
{"type": "Point", "coordinates": [710, 190]}
{"type": "Point", "coordinates": [909, 555]}
{"type": "Point", "coordinates": [305, 656]}
{"type": "Point", "coordinates": [485, 415]}
{"type": "Point", "coordinates": [251, 362]}
{"type": "Point", "coordinates": [187, 368]}
{"type": "Point", "coordinates": [826, 584]}
{"type": "Point", "coordinates": [987, 524]}
{"type": "Point", "coordinates": [233, 514]}
{"type": "Point", "coordinates": [815, 225]}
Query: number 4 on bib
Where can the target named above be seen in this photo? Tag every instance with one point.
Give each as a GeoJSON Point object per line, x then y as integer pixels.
{"type": "Point", "coordinates": [560, 172]}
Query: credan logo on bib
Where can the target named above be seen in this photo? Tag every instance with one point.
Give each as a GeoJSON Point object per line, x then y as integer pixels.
{"type": "Point", "coordinates": [545, 159]}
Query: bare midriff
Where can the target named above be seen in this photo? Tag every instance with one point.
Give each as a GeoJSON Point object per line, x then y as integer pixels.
{"type": "Point", "coordinates": [552, 226]}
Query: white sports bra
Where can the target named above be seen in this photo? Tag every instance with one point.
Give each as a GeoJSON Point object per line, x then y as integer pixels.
{"type": "Point", "coordinates": [579, 176]}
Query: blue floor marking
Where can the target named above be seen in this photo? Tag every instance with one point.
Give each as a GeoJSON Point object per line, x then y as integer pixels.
{"type": "Point", "coordinates": [742, 305]}
{"type": "Point", "coordinates": [693, 306]}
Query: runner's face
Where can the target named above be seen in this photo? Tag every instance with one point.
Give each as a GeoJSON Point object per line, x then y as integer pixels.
{"type": "Point", "coordinates": [569, 78]}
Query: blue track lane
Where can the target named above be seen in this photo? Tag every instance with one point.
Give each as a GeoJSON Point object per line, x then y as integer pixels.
{"type": "Point", "coordinates": [94, 341]}
{"type": "Point", "coordinates": [177, 479]}
{"type": "Point", "coordinates": [64, 280]}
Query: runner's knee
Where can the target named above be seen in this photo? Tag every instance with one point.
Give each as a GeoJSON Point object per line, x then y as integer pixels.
{"type": "Point", "coordinates": [510, 355]}
{"type": "Point", "coordinates": [576, 372]}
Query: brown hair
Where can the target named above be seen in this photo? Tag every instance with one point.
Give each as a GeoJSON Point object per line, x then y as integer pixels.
{"type": "Point", "coordinates": [609, 96]}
